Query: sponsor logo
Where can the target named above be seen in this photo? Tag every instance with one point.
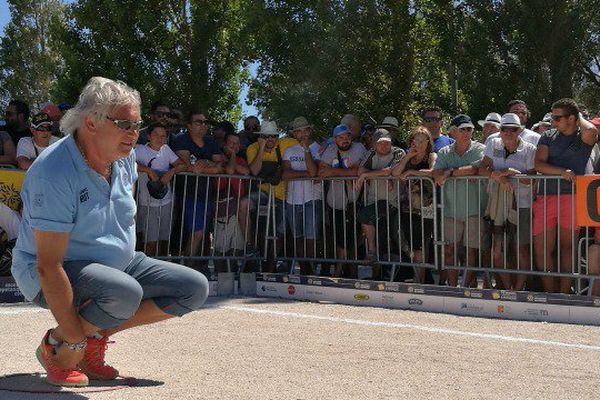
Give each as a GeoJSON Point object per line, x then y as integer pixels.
{"type": "Point", "coordinates": [469, 307]}
{"type": "Point", "coordinates": [500, 309]}
{"type": "Point", "coordinates": [294, 279]}
{"type": "Point", "coordinates": [381, 286]}
{"type": "Point", "coordinates": [506, 295]}
{"type": "Point", "coordinates": [415, 302]}
{"type": "Point", "coordinates": [495, 295]}
{"type": "Point", "coordinates": [477, 295]}
{"type": "Point", "coordinates": [392, 287]}
{"type": "Point", "coordinates": [419, 290]}
{"type": "Point", "coordinates": [359, 285]}
{"type": "Point", "coordinates": [534, 312]}
{"type": "Point", "coordinates": [361, 297]}
{"type": "Point", "coordinates": [539, 299]}
{"type": "Point", "coordinates": [467, 293]}
{"type": "Point", "coordinates": [529, 297]}
{"type": "Point", "coordinates": [268, 278]}
{"type": "Point", "coordinates": [315, 282]}
{"type": "Point", "coordinates": [597, 302]}
{"type": "Point", "coordinates": [268, 288]}
{"type": "Point", "coordinates": [310, 292]}
{"type": "Point", "coordinates": [411, 289]}
{"type": "Point", "coordinates": [291, 290]}
{"type": "Point", "coordinates": [285, 279]}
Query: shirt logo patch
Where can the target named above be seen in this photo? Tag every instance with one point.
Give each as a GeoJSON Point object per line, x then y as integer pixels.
{"type": "Point", "coordinates": [84, 195]}
{"type": "Point", "coordinates": [38, 200]}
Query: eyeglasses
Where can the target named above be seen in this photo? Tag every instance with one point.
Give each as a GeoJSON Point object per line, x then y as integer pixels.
{"type": "Point", "coordinates": [509, 129]}
{"type": "Point", "coordinates": [270, 136]}
{"type": "Point", "coordinates": [200, 122]}
{"type": "Point", "coordinates": [432, 119]}
{"type": "Point", "coordinates": [558, 117]}
{"type": "Point", "coordinates": [126, 124]}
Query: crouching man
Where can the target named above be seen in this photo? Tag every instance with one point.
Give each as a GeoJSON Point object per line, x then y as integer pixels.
{"type": "Point", "coordinates": [75, 251]}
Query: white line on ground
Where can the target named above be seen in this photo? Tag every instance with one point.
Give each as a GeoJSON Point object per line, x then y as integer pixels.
{"type": "Point", "coordinates": [413, 327]}
{"type": "Point", "coordinates": [22, 311]}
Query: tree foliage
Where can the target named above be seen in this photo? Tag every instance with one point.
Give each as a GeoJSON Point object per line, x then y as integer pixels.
{"type": "Point", "coordinates": [28, 61]}
{"type": "Point", "coordinates": [187, 53]}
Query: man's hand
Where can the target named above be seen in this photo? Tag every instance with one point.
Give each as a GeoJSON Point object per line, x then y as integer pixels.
{"type": "Point", "coordinates": [153, 176]}
{"type": "Point", "coordinates": [440, 179]}
{"type": "Point", "coordinates": [261, 142]}
{"type": "Point", "coordinates": [568, 175]}
{"type": "Point", "coordinates": [165, 179]}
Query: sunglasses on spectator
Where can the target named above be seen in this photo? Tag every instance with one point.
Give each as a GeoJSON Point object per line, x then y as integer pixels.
{"type": "Point", "coordinates": [42, 127]}
{"type": "Point", "coordinates": [558, 117]}
{"type": "Point", "coordinates": [270, 136]}
{"type": "Point", "coordinates": [431, 119]}
{"type": "Point", "coordinates": [126, 124]}
{"type": "Point", "coordinates": [200, 122]}
{"type": "Point", "coordinates": [509, 129]}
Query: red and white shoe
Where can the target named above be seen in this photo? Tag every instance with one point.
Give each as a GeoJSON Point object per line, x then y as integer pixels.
{"type": "Point", "coordinates": [93, 363]}
{"type": "Point", "coordinates": [56, 375]}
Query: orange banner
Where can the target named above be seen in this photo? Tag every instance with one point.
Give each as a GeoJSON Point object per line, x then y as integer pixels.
{"type": "Point", "coordinates": [587, 200]}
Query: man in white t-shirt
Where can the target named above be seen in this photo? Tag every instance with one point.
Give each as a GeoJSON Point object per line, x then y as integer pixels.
{"type": "Point", "coordinates": [159, 163]}
{"type": "Point", "coordinates": [30, 147]}
{"type": "Point", "coordinates": [304, 204]}
{"type": "Point", "coordinates": [504, 157]}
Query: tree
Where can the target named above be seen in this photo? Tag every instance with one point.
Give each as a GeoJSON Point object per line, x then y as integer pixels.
{"type": "Point", "coordinates": [28, 61]}
{"type": "Point", "coordinates": [187, 53]}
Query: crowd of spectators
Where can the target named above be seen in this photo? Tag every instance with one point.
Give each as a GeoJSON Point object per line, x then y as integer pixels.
{"type": "Point", "coordinates": [357, 191]}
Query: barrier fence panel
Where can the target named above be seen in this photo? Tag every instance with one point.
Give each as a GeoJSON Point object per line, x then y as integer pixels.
{"type": "Point", "coordinates": [398, 228]}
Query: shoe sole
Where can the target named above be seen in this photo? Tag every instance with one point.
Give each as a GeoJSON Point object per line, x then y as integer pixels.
{"type": "Point", "coordinates": [40, 358]}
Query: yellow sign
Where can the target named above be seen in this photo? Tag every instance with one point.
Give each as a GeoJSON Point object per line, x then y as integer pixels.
{"type": "Point", "coordinates": [11, 181]}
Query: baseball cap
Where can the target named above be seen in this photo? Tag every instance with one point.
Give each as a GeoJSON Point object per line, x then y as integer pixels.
{"type": "Point", "coordinates": [382, 135]}
{"type": "Point", "coordinates": [340, 130]}
{"type": "Point", "coordinates": [462, 121]}
{"type": "Point", "coordinates": [40, 119]}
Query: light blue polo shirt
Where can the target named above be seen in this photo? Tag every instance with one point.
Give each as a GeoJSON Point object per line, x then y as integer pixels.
{"type": "Point", "coordinates": [61, 193]}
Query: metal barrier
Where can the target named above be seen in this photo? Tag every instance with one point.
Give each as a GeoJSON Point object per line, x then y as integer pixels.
{"type": "Point", "coordinates": [390, 225]}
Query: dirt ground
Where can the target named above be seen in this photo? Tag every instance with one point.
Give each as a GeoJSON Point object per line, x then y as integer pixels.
{"type": "Point", "coordinates": [249, 348]}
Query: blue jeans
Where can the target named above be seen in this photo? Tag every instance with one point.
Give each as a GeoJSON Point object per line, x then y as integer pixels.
{"type": "Point", "coordinates": [305, 219]}
{"type": "Point", "coordinates": [106, 297]}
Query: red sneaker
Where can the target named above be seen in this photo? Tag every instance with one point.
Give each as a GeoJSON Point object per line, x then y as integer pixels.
{"type": "Point", "coordinates": [93, 363]}
{"type": "Point", "coordinates": [55, 375]}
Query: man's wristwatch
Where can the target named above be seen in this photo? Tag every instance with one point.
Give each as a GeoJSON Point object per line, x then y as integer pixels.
{"type": "Point", "coordinates": [75, 346]}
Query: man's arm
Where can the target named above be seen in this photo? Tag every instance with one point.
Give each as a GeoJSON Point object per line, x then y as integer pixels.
{"type": "Point", "coordinates": [10, 152]}
{"type": "Point", "coordinates": [256, 163]}
{"type": "Point", "coordinates": [288, 173]}
{"type": "Point", "coordinates": [589, 132]}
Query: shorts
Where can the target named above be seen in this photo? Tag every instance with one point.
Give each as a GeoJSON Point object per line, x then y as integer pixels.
{"type": "Point", "coordinates": [478, 232]}
{"type": "Point", "coordinates": [416, 229]}
{"type": "Point", "coordinates": [305, 219]}
{"type": "Point", "coordinates": [524, 229]}
{"type": "Point", "coordinates": [549, 205]}
{"type": "Point", "coordinates": [107, 296]}
{"type": "Point", "coordinates": [228, 235]}
{"type": "Point", "coordinates": [260, 198]}
{"type": "Point", "coordinates": [196, 213]}
{"type": "Point", "coordinates": [376, 213]}
{"type": "Point", "coordinates": [154, 223]}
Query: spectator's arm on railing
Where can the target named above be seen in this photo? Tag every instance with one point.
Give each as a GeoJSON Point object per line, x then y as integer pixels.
{"type": "Point", "coordinates": [289, 174]}
{"type": "Point", "coordinates": [467, 170]}
{"type": "Point", "coordinates": [178, 166]}
{"type": "Point", "coordinates": [327, 171]}
{"type": "Point", "coordinates": [311, 164]}
{"type": "Point", "coordinates": [440, 175]}
{"type": "Point", "coordinates": [24, 162]}
{"type": "Point", "coordinates": [231, 166]}
{"type": "Point", "coordinates": [542, 166]}
{"type": "Point", "coordinates": [184, 155]}
{"type": "Point", "coordinates": [207, 167]}
{"type": "Point", "coordinates": [148, 171]}
{"type": "Point", "coordinates": [589, 132]}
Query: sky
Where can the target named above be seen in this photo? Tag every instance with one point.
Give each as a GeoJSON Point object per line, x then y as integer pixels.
{"type": "Point", "coordinates": [246, 110]}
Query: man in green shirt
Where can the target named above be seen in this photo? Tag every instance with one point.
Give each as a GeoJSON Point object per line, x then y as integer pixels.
{"type": "Point", "coordinates": [463, 199]}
